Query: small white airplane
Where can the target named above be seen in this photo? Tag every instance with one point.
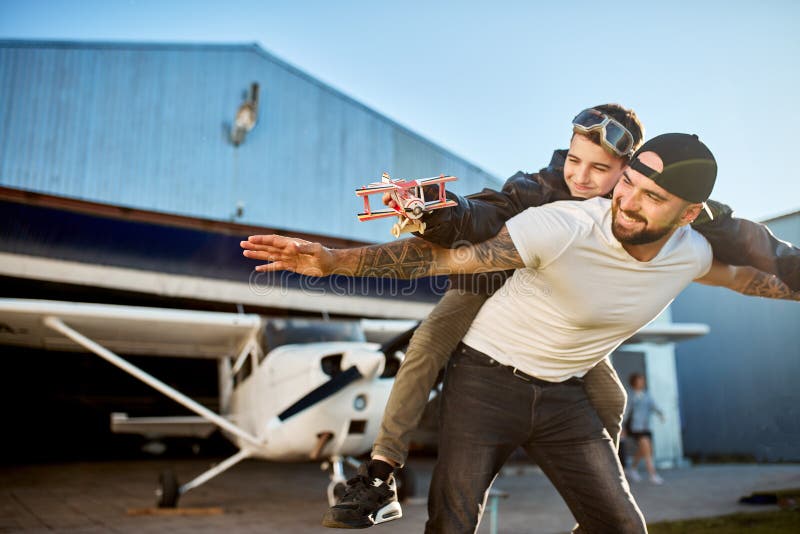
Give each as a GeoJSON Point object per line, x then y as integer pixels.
{"type": "Point", "coordinates": [290, 389]}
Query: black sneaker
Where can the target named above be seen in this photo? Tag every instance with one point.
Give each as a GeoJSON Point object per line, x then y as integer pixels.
{"type": "Point", "coordinates": [365, 502]}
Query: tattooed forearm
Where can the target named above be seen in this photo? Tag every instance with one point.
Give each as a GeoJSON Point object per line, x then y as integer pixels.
{"type": "Point", "coordinates": [498, 253]}
{"type": "Point", "coordinates": [409, 258]}
{"type": "Point", "coordinates": [768, 285]}
{"type": "Point", "coordinates": [416, 258]}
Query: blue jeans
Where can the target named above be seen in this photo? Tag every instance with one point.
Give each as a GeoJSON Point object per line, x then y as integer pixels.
{"type": "Point", "coordinates": [488, 411]}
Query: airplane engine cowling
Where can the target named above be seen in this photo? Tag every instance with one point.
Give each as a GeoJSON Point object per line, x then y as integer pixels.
{"type": "Point", "coordinates": [331, 387]}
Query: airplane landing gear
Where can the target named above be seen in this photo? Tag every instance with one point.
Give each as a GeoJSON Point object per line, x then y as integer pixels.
{"type": "Point", "coordinates": [337, 491]}
{"type": "Point", "coordinates": [396, 230]}
{"type": "Point", "coordinates": [338, 483]}
{"type": "Point", "coordinates": [168, 490]}
{"type": "Point", "coordinates": [408, 225]}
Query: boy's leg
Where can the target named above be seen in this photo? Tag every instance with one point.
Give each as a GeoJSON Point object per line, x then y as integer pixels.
{"type": "Point", "coordinates": [429, 349]}
{"type": "Point", "coordinates": [607, 395]}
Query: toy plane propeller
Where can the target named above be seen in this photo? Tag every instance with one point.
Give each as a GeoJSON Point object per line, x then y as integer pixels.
{"type": "Point", "coordinates": [410, 196]}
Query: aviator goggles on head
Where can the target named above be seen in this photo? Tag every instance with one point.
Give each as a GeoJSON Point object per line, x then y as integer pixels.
{"type": "Point", "coordinates": [613, 135]}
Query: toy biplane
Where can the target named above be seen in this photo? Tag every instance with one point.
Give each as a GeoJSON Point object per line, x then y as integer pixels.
{"type": "Point", "coordinates": [409, 195]}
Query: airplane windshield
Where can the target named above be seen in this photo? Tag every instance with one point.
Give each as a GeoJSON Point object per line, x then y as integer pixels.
{"type": "Point", "coordinates": [292, 331]}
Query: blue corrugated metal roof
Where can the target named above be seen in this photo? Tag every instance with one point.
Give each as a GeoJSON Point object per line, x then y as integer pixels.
{"type": "Point", "coordinates": [145, 126]}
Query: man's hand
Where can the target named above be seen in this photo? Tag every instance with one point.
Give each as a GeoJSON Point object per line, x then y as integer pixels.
{"type": "Point", "coordinates": [289, 254]}
{"type": "Point", "coordinates": [390, 202]}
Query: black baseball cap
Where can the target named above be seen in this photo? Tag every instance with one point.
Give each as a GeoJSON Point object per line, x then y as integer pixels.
{"type": "Point", "coordinates": [690, 169]}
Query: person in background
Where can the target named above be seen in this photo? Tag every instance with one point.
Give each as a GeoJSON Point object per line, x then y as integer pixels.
{"type": "Point", "coordinates": [637, 426]}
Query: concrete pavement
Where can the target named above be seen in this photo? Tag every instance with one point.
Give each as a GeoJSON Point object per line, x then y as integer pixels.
{"type": "Point", "coordinates": [289, 498]}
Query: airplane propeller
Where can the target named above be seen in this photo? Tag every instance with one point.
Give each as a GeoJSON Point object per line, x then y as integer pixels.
{"type": "Point", "coordinates": [342, 379]}
{"type": "Point", "coordinates": [393, 345]}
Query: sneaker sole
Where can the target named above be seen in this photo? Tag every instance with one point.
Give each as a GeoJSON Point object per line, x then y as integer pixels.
{"type": "Point", "coordinates": [390, 512]}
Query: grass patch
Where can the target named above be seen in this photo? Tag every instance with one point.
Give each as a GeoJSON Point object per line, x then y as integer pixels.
{"type": "Point", "coordinates": [772, 522]}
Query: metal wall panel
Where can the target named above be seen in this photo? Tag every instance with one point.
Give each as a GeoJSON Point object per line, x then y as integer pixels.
{"type": "Point", "coordinates": [738, 385]}
{"type": "Point", "coordinates": [145, 126]}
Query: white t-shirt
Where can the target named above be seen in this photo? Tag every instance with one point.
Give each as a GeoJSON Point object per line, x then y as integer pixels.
{"type": "Point", "coordinates": [581, 293]}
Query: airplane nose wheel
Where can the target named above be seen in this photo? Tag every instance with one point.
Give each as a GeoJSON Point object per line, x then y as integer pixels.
{"type": "Point", "coordinates": [338, 490]}
{"type": "Point", "coordinates": [167, 492]}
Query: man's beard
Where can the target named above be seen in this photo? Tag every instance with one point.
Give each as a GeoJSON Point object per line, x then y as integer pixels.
{"type": "Point", "coordinates": [636, 237]}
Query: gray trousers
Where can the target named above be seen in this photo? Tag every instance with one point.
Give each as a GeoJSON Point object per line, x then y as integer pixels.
{"type": "Point", "coordinates": [428, 352]}
{"type": "Point", "coordinates": [488, 411]}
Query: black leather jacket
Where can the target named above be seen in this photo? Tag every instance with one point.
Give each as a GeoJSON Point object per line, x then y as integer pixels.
{"type": "Point", "coordinates": [476, 218]}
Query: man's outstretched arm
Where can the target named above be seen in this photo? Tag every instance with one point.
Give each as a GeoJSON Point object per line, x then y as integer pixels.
{"type": "Point", "coordinates": [748, 281]}
{"type": "Point", "coordinates": [407, 258]}
{"type": "Point", "coordinates": [738, 241]}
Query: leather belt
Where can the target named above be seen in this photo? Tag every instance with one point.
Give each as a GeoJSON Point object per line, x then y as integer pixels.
{"type": "Point", "coordinates": [521, 375]}
{"type": "Point", "coordinates": [515, 370]}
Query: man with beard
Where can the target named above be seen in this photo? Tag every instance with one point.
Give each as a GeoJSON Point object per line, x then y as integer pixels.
{"type": "Point", "coordinates": [589, 275]}
{"type": "Point", "coordinates": [603, 139]}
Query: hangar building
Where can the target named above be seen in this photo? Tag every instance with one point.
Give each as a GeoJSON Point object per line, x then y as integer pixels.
{"type": "Point", "coordinates": [128, 174]}
{"type": "Point", "coordinates": [121, 167]}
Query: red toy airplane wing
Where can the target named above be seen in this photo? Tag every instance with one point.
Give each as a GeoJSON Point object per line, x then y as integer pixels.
{"type": "Point", "coordinates": [371, 189]}
{"type": "Point", "coordinates": [435, 180]}
{"type": "Point", "coordinates": [430, 205]}
{"type": "Point", "coordinates": [377, 215]}
{"type": "Point", "coordinates": [435, 204]}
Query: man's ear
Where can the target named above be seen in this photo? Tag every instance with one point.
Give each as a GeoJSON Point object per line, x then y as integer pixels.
{"type": "Point", "coordinates": [690, 213]}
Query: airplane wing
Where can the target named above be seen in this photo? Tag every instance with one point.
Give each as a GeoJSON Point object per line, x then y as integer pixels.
{"type": "Point", "coordinates": [377, 187]}
{"type": "Point", "coordinates": [436, 204]}
{"type": "Point", "coordinates": [435, 180]}
{"type": "Point", "coordinates": [383, 187]}
{"type": "Point", "coordinates": [127, 329]}
{"type": "Point", "coordinates": [668, 333]}
{"type": "Point", "coordinates": [379, 214]}
{"type": "Point", "coordinates": [103, 328]}
{"type": "Point", "coordinates": [183, 426]}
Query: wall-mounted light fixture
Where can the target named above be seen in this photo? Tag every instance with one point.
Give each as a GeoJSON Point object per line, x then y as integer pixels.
{"type": "Point", "coordinates": [246, 117]}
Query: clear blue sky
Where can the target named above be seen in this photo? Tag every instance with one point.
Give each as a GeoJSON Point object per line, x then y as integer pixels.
{"type": "Point", "coordinates": [498, 83]}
